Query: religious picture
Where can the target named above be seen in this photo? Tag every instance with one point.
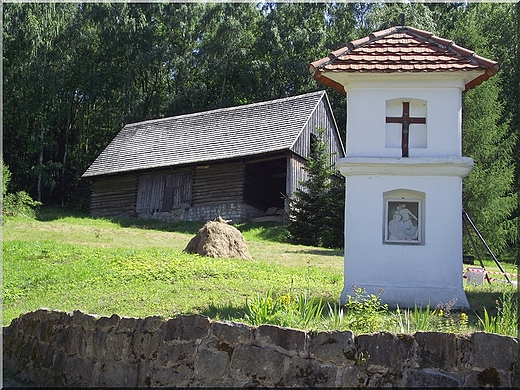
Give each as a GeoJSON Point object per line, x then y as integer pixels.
{"type": "Point", "coordinates": [402, 223]}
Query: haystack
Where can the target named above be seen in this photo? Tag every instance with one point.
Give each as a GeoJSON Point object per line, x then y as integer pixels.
{"type": "Point", "coordinates": [218, 239]}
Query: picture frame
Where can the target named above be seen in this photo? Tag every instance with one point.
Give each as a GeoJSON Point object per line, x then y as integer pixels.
{"type": "Point", "coordinates": [403, 224]}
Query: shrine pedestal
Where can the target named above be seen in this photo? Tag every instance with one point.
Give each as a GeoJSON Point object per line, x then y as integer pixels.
{"type": "Point", "coordinates": [403, 229]}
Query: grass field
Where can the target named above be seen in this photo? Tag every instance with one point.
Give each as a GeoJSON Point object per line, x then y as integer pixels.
{"type": "Point", "coordinates": [137, 268]}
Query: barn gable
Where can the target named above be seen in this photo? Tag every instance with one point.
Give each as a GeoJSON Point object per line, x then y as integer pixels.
{"type": "Point", "coordinates": [238, 160]}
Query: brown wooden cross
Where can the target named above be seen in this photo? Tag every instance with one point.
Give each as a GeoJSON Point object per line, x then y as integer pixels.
{"type": "Point", "coordinates": [406, 122]}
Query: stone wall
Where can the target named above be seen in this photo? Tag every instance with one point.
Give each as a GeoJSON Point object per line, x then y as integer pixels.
{"type": "Point", "coordinates": [57, 349]}
{"type": "Point", "coordinates": [236, 212]}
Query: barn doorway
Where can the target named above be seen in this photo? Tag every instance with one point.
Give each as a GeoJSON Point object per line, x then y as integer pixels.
{"type": "Point", "coordinates": [265, 183]}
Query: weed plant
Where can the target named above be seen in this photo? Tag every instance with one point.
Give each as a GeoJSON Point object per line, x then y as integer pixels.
{"type": "Point", "coordinates": [506, 320]}
{"type": "Point", "coordinates": [364, 313]}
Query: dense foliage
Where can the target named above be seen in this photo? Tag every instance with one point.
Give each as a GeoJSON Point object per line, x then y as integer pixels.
{"type": "Point", "coordinates": [75, 73]}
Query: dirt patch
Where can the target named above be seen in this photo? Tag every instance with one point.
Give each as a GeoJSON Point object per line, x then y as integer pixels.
{"type": "Point", "coordinates": [218, 239]}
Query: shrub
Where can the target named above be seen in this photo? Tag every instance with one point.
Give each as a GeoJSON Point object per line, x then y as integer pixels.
{"type": "Point", "coordinates": [18, 204]}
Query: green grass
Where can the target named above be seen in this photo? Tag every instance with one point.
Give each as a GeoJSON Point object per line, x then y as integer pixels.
{"type": "Point", "coordinates": [137, 268]}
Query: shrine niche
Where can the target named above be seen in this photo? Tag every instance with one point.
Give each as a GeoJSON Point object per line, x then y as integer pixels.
{"type": "Point", "coordinates": [404, 217]}
{"type": "Point", "coordinates": [405, 124]}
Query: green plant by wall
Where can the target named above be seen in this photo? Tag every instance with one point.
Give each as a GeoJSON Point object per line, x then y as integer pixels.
{"type": "Point", "coordinates": [506, 320]}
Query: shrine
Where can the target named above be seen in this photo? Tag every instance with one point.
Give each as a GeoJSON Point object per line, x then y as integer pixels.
{"type": "Point", "coordinates": [403, 166]}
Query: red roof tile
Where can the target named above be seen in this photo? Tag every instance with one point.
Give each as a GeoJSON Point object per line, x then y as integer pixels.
{"type": "Point", "coordinates": [402, 49]}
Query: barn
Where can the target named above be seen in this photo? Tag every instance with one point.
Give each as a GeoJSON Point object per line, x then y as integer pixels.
{"type": "Point", "coordinates": [239, 161]}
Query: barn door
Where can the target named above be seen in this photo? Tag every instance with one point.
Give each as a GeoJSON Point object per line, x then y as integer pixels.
{"type": "Point", "coordinates": [150, 193]}
{"type": "Point", "coordinates": [177, 191]}
{"type": "Point", "coordinates": [164, 192]}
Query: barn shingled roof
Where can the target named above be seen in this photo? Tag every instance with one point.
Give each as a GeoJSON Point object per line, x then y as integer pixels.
{"type": "Point", "coordinates": [208, 136]}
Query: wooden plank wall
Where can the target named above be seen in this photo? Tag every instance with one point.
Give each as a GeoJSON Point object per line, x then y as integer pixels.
{"type": "Point", "coordinates": [320, 118]}
{"type": "Point", "coordinates": [295, 173]}
{"type": "Point", "coordinates": [150, 193]}
{"type": "Point", "coordinates": [114, 196]}
{"type": "Point", "coordinates": [164, 191]}
{"type": "Point", "coordinates": [218, 183]}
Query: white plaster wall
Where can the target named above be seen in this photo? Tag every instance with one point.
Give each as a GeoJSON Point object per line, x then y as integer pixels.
{"type": "Point", "coordinates": [438, 250]}
{"type": "Point", "coordinates": [366, 106]}
{"type": "Point", "coordinates": [429, 272]}
{"type": "Point", "coordinates": [437, 263]}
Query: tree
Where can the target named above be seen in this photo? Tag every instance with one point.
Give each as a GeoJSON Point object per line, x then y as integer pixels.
{"type": "Point", "coordinates": [490, 123]}
{"type": "Point", "coordinates": [316, 210]}
{"type": "Point", "coordinates": [488, 192]}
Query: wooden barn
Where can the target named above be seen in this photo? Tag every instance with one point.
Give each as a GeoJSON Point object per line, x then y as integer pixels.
{"type": "Point", "coordinates": [239, 161]}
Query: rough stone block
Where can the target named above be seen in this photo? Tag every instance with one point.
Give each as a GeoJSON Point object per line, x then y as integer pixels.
{"type": "Point", "coordinates": [178, 376]}
{"type": "Point", "coordinates": [44, 331]}
{"type": "Point", "coordinates": [29, 352]}
{"type": "Point", "coordinates": [430, 378]}
{"type": "Point", "coordinates": [146, 346]}
{"type": "Point", "coordinates": [74, 340]}
{"type": "Point", "coordinates": [310, 373]}
{"type": "Point", "coordinates": [78, 372]}
{"type": "Point", "coordinates": [44, 356]}
{"type": "Point", "coordinates": [28, 322]}
{"type": "Point", "coordinates": [187, 328]}
{"type": "Point", "coordinates": [490, 377]}
{"type": "Point", "coordinates": [232, 333]}
{"type": "Point", "coordinates": [118, 347]}
{"type": "Point", "coordinates": [63, 318]}
{"type": "Point", "coordinates": [211, 364]}
{"type": "Point", "coordinates": [128, 324]}
{"type": "Point", "coordinates": [118, 374]}
{"type": "Point", "coordinates": [493, 350]}
{"type": "Point", "coordinates": [151, 324]}
{"type": "Point", "coordinates": [337, 347]}
{"type": "Point", "coordinates": [382, 376]}
{"type": "Point", "coordinates": [179, 353]}
{"type": "Point", "coordinates": [385, 349]}
{"type": "Point", "coordinates": [353, 377]}
{"type": "Point", "coordinates": [79, 318]}
{"type": "Point", "coordinates": [260, 364]}
{"type": "Point", "coordinates": [291, 341]}
{"type": "Point", "coordinates": [437, 350]}
{"type": "Point", "coordinates": [106, 324]}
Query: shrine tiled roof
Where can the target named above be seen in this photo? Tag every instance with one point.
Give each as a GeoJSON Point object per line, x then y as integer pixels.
{"type": "Point", "coordinates": [402, 49]}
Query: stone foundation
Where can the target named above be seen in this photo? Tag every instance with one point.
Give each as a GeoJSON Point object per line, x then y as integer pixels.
{"type": "Point", "coordinates": [236, 212]}
{"type": "Point", "coordinates": [57, 349]}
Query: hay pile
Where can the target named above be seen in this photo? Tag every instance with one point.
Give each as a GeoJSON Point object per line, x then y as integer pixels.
{"type": "Point", "coordinates": [218, 239]}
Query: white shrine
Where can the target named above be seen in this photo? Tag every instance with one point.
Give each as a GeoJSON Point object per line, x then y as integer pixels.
{"type": "Point", "coordinates": [404, 166]}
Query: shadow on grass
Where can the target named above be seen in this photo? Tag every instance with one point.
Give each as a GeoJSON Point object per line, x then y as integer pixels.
{"type": "Point", "coordinates": [225, 313]}
{"type": "Point", "coordinates": [47, 214]}
{"type": "Point", "coordinates": [269, 231]}
{"type": "Point", "coordinates": [322, 252]}
{"type": "Point", "coordinates": [149, 224]}
{"type": "Point", "coordinates": [489, 299]}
